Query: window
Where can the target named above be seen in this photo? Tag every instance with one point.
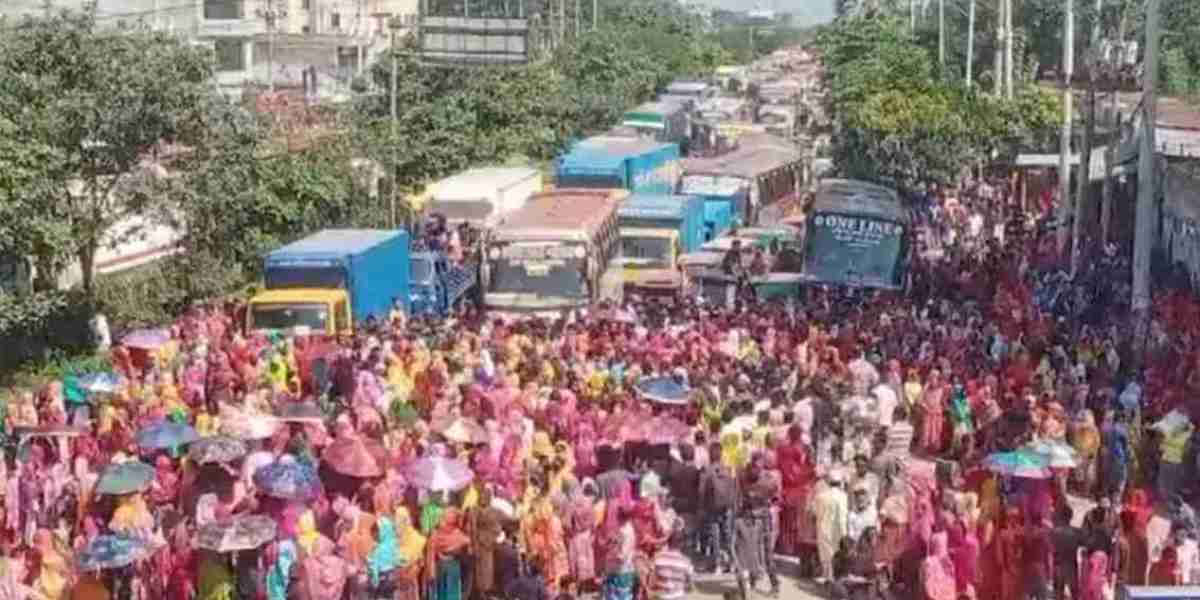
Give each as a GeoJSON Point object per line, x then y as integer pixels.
{"type": "Point", "coordinates": [229, 54]}
{"type": "Point", "coordinates": [223, 9]}
{"type": "Point", "coordinates": [335, 20]}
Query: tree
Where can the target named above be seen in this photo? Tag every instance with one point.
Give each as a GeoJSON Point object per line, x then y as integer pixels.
{"type": "Point", "coordinates": [96, 102]}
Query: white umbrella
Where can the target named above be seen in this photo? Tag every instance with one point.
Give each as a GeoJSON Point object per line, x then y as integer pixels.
{"type": "Point", "coordinates": [439, 474]}
{"type": "Point", "coordinates": [1058, 454]}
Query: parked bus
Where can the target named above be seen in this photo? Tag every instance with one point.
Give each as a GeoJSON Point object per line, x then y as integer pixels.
{"type": "Point", "coordinates": [858, 234]}
{"type": "Point", "coordinates": [554, 254]}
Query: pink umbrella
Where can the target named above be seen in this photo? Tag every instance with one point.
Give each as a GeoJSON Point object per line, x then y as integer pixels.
{"type": "Point", "coordinates": [355, 456]}
{"type": "Point", "coordinates": [438, 473]}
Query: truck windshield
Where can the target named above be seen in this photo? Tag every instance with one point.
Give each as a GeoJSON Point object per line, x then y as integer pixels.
{"type": "Point", "coordinates": [544, 270]}
{"type": "Point", "coordinates": [421, 269]}
{"type": "Point", "coordinates": [289, 316]}
{"type": "Point", "coordinates": [648, 252]}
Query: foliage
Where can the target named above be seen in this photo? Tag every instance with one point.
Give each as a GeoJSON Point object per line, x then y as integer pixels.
{"type": "Point", "coordinates": [34, 325]}
{"type": "Point", "coordinates": [93, 101]}
{"type": "Point", "coordinates": [899, 122]}
{"type": "Point", "coordinates": [736, 40]}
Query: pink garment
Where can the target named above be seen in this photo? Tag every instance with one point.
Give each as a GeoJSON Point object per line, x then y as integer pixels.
{"type": "Point", "coordinates": [1093, 576]}
{"type": "Point", "coordinates": [964, 550]}
{"type": "Point", "coordinates": [937, 571]}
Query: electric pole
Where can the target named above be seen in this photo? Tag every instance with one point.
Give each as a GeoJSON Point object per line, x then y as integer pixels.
{"type": "Point", "coordinates": [942, 33]}
{"type": "Point", "coordinates": [577, 16]}
{"type": "Point", "coordinates": [1064, 140]}
{"type": "Point", "coordinates": [394, 26]}
{"type": "Point", "coordinates": [998, 52]}
{"type": "Point", "coordinates": [1110, 157]}
{"type": "Point", "coordinates": [1147, 217]}
{"type": "Point", "coordinates": [595, 14]}
{"type": "Point", "coordinates": [272, 16]}
{"type": "Point", "coordinates": [1008, 49]}
{"type": "Point", "coordinates": [970, 44]}
{"type": "Point", "coordinates": [1089, 129]}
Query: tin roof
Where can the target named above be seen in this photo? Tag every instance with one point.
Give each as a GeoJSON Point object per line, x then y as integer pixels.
{"type": "Point", "coordinates": [571, 213]}
{"type": "Point", "coordinates": [756, 154]}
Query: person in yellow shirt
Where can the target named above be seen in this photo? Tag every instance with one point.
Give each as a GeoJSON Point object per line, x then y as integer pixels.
{"type": "Point", "coordinates": [1173, 447]}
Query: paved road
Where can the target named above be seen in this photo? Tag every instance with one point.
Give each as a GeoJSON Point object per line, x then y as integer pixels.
{"type": "Point", "coordinates": [712, 587]}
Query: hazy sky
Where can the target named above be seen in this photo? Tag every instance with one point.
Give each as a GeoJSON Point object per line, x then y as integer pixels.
{"type": "Point", "coordinates": [815, 10]}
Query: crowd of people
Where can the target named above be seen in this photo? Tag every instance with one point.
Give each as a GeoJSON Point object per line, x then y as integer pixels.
{"type": "Point", "coordinates": [963, 440]}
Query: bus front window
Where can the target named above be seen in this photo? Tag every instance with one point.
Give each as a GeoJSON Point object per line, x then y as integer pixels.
{"type": "Point", "coordinates": [554, 271]}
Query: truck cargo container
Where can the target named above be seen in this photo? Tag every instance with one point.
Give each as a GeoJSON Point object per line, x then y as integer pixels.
{"type": "Point", "coordinates": [605, 162]}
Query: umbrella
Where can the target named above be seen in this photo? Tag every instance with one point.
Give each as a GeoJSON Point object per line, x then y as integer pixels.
{"type": "Point", "coordinates": [125, 478]}
{"type": "Point", "coordinates": [463, 430]}
{"type": "Point", "coordinates": [244, 532]}
{"type": "Point", "coordinates": [301, 412]}
{"type": "Point", "coordinates": [355, 456]}
{"type": "Point", "coordinates": [166, 434]}
{"type": "Point", "coordinates": [664, 390]}
{"type": "Point", "coordinates": [100, 383]}
{"type": "Point", "coordinates": [255, 427]}
{"type": "Point", "coordinates": [113, 552]}
{"type": "Point", "coordinates": [216, 449]}
{"type": "Point", "coordinates": [1058, 454]}
{"type": "Point", "coordinates": [287, 478]}
{"type": "Point", "coordinates": [1019, 464]}
{"type": "Point", "coordinates": [437, 473]}
{"type": "Point", "coordinates": [146, 339]}
{"type": "Point", "coordinates": [48, 431]}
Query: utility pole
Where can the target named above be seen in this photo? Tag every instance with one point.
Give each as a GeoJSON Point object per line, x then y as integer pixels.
{"type": "Point", "coordinates": [562, 20]}
{"type": "Point", "coordinates": [912, 16]}
{"type": "Point", "coordinates": [1089, 129]}
{"type": "Point", "coordinates": [577, 17]}
{"type": "Point", "coordinates": [1008, 49]}
{"type": "Point", "coordinates": [361, 25]}
{"type": "Point", "coordinates": [595, 15]}
{"type": "Point", "coordinates": [1147, 217]}
{"type": "Point", "coordinates": [1110, 157]}
{"type": "Point", "coordinates": [942, 33]}
{"type": "Point", "coordinates": [998, 52]}
{"type": "Point", "coordinates": [970, 44]}
{"type": "Point", "coordinates": [1064, 140]}
{"type": "Point", "coordinates": [271, 15]}
{"type": "Point", "coordinates": [394, 26]}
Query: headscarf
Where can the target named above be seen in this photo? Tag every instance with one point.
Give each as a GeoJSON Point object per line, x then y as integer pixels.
{"type": "Point", "coordinates": [280, 573]}
{"type": "Point", "coordinates": [411, 542]}
{"type": "Point", "coordinates": [449, 536]}
{"type": "Point", "coordinates": [308, 535]}
{"type": "Point", "coordinates": [384, 557]}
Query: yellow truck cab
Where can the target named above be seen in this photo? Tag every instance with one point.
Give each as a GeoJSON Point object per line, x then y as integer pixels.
{"type": "Point", "coordinates": [650, 261]}
{"type": "Point", "coordinates": [310, 310]}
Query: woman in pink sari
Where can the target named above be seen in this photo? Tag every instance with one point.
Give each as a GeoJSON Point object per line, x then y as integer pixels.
{"type": "Point", "coordinates": [1093, 576]}
{"type": "Point", "coordinates": [937, 571]}
{"type": "Point", "coordinates": [580, 522]}
{"type": "Point", "coordinates": [933, 413]}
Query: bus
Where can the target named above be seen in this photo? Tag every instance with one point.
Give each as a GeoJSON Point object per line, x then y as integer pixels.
{"type": "Point", "coordinates": [553, 255]}
{"type": "Point", "coordinates": [857, 234]}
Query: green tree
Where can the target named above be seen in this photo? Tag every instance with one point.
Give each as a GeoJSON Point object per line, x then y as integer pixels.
{"type": "Point", "coordinates": [95, 102]}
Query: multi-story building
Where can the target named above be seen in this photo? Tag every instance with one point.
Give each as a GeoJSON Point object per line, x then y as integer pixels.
{"type": "Point", "coordinates": [254, 40]}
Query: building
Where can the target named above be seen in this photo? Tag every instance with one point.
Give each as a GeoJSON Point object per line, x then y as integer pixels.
{"type": "Point", "coordinates": [335, 37]}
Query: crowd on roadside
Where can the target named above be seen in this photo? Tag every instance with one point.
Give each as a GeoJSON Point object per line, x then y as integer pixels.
{"type": "Point", "coordinates": [967, 439]}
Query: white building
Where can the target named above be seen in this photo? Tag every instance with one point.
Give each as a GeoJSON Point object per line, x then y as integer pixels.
{"type": "Point", "coordinates": [336, 37]}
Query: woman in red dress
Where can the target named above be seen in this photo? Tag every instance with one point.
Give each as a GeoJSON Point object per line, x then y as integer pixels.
{"type": "Point", "coordinates": [798, 476]}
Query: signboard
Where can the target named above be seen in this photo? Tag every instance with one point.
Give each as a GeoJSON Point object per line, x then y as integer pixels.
{"type": "Point", "coordinates": [854, 250]}
{"type": "Point", "coordinates": [473, 40]}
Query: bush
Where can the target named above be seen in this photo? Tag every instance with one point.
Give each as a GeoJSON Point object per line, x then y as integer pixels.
{"type": "Point", "coordinates": [156, 294]}
{"type": "Point", "coordinates": [42, 324]}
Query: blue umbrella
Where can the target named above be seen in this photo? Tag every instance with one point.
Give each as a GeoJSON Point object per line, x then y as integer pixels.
{"type": "Point", "coordinates": [113, 552]}
{"type": "Point", "coordinates": [1019, 463]}
{"type": "Point", "coordinates": [288, 478]}
{"type": "Point", "coordinates": [125, 478]}
{"type": "Point", "coordinates": [100, 383]}
{"type": "Point", "coordinates": [166, 434]}
{"type": "Point", "coordinates": [664, 390]}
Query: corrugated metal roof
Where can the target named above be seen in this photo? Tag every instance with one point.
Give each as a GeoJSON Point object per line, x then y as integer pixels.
{"type": "Point", "coordinates": [572, 213]}
{"type": "Point", "coordinates": [336, 241]}
{"type": "Point", "coordinates": [756, 154]}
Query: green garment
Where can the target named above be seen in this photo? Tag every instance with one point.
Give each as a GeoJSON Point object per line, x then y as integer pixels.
{"type": "Point", "coordinates": [216, 581]}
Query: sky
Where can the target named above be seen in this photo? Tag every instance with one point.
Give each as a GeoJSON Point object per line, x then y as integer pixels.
{"type": "Point", "coordinates": [811, 12]}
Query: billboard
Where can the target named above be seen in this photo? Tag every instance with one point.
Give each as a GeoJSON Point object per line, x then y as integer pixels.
{"type": "Point", "coordinates": [474, 40]}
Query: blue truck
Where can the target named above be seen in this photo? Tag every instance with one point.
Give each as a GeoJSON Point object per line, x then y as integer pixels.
{"type": "Point", "coordinates": [609, 162]}
{"type": "Point", "coordinates": [725, 200]}
{"type": "Point", "coordinates": [327, 282]}
{"type": "Point", "coordinates": [684, 214]}
{"type": "Point", "coordinates": [440, 285]}
{"type": "Point", "coordinates": [656, 230]}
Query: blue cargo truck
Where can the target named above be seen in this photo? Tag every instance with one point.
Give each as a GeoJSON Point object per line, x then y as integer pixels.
{"type": "Point", "coordinates": [725, 200]}
{"type": "Point", "coordinates": [440, 285]}
{"type": "Point", "coordinates": [683, 214]}
{"type": "Point", "coordinates": [329, 281]}
{"type": "Point", "coordinates": [608, 162]}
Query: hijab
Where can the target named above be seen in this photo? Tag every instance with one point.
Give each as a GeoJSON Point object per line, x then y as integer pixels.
{"type": "Point", "coordinates": [384, 557]}
{"type": "Point", "coordinates": [280, 574]}
{"type": "Point", "coordinates": [411, 542]}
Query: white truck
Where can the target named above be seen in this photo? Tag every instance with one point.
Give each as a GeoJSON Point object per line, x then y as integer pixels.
{"type": "Point", "coordinates": [484, 196]}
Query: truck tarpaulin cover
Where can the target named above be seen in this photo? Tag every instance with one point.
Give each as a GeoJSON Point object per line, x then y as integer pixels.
{"type": "Point", "coordinates": [856, 236]}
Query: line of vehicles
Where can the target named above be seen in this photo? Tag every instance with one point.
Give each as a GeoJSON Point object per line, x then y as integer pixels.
{"type": "Point", "coordinates": [629, 214]}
